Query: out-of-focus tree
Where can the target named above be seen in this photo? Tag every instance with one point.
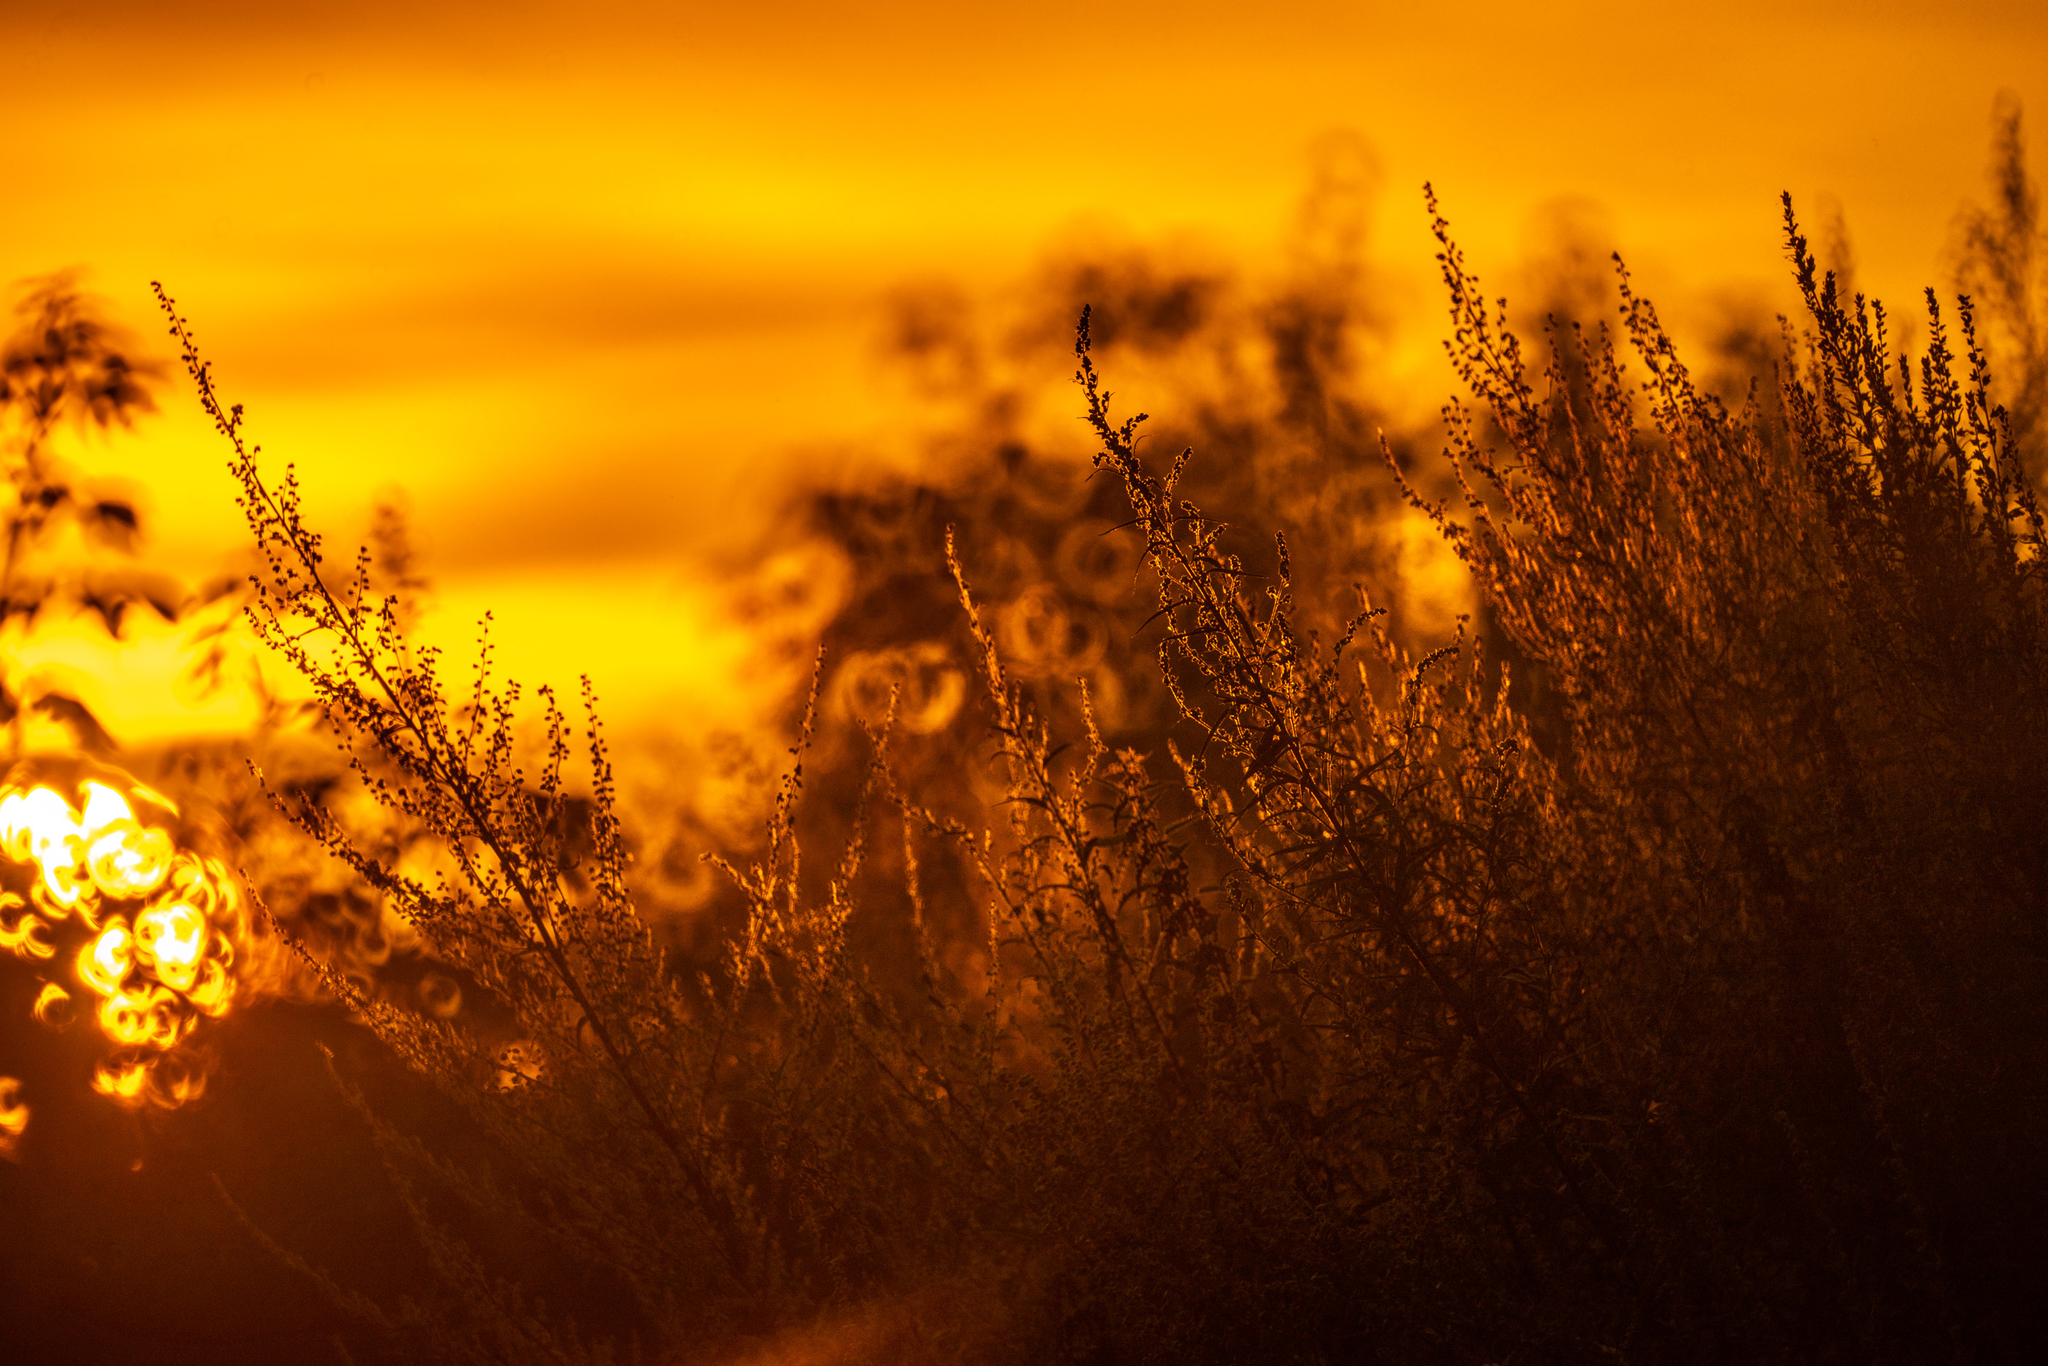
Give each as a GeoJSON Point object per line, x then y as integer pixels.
{"type": "Point", "coordinates": [1999, 265]}
{"type": "Point", "coordinates": [64, 365]}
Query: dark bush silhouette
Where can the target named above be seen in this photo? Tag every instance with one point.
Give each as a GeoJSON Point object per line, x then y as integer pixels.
{"type": "Point", "coordinates": [1315, 1012]}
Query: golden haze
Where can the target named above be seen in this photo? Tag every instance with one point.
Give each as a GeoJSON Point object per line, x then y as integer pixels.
{"type": "Point", "coordinates": [590, 282]}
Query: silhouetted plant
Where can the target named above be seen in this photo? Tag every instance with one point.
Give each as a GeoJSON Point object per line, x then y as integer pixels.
{"type": "Point", "coordinates": [1349, 1023]}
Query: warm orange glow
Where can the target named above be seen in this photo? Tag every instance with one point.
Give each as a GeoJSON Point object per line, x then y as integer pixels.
{"type": "Point", "coordinates": [13, 1115]}
{"type": "Point", "coordinates": [148, 1016]}
{"type": "Point", "coordinates": [591, 291]}
{"type": "Point", "coordinates": [161, 926]}
{"type": "Point", "coordinates": [22, 932]}
{"type": "Point", "coordinates": [122, 1081]}
{"type": "Point", "coordinates": [106, 962]}
{"type": "Point", "coordinates": [53, 1005]}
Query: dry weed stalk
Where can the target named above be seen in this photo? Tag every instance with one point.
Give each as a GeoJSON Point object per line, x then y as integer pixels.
{"type": "Point", "coordinates": [1374, 1031]}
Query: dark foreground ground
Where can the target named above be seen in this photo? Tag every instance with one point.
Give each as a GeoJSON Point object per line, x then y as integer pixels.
{"type": "Point", "coordinates": [115, 1241]}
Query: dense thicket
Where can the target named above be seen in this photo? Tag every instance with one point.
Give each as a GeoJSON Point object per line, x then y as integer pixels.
{"type": "Point", "coordinates": [1342, 1020]}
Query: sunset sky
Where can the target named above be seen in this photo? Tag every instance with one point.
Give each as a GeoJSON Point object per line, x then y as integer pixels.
{"type": "Point", "coordinates": [587, 282]}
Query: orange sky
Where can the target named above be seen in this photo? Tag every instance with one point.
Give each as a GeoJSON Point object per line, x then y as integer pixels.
{"type": "Point", "coordinates": [582, 279]}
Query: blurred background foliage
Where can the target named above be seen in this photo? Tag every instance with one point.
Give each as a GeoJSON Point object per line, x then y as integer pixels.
{"type": "Point", "coordinates": [1776, 901]}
